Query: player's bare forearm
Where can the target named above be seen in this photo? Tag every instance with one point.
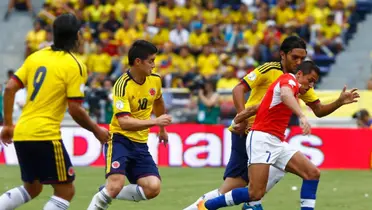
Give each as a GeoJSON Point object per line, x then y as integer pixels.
{"type": "Point", "coordinates": [321, 110]}
{"type": "Point", "coordinates": [246, 113]}
{"type": "Point", "coordinates": [286, 94]}
{"type": "Point", "coordinates": [238, 97]}
{"type": "Point", "coordinates": [9, 94]}
{"type": "Point", "coordinates": [128, 123]}
{"type": "Point", "coordinates": [81, 117]}
{"type": "Point", "coordinates": [159, 108]}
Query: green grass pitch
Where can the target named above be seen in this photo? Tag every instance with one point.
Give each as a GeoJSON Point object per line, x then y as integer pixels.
{"type": "Point", "coordinates": [338, 190]}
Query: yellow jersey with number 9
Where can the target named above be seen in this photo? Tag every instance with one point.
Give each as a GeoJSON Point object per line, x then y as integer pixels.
{"type": "Point", "coordinates": [51, 77]}
{"type": "Point", "coordinates": [259, 80]}
{"type": "Point", "coordinates": [136, 100]}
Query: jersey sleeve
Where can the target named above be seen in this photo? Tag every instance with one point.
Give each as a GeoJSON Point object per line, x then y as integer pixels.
{"type": "Point", "coordinates": [76, 79]}
{"type": "Point", "coordinates": [20, 76]}
{"type": "Point", "coordinates": [310, 97]}
{"type": "Point", "coordinates": [120, 100]}
{"type": "Point", "coordinates": [253, 79]}
{"type": "Point", "coordinates": [159, 92]}
{"type": "Point", "coordinates": [290, 82]}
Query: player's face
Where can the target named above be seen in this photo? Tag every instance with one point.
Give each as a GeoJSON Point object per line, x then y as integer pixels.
{"type": "Point", "coordinates": [307, 81]}
{"type": "Point", "coordinates": [293, 59]}
{"type": "Point", "coordinates": [148, 64]}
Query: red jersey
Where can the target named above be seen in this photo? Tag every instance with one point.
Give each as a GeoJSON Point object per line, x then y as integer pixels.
{"type": "Point", "coordinates": [273, 115]}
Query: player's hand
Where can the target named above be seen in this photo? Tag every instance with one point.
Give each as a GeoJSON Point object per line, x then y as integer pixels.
{"type": "Point", "coordinates": [305, 125]}
{"type": "Point", "coordinates": [163, 120]}
{"type": "Point", "coordinates": [102, 134]}
{"type": "Point", "coordinates": [163, 136]}
{"type": "Point", "coordinates": [348, 97]}
{"type": "Point", "coordinates": [240, 127]}
{"type": "Point", "coordinates": [6, 135]}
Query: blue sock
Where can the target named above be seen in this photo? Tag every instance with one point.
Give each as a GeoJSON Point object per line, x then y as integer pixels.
{"type": "Point", "coordinates": [308, 194]}
{"type": "Point", "coordinates": [234, 197]}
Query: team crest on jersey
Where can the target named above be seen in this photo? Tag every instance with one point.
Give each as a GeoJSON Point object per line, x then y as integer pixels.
{"type": "Point", "coordinates": [119, 105]}
{"type": "Point", "coordinates": [71, 171]}
{"type": "Point", "coordinates": [152, 91]}
{"type": "Point", "coordinates": [252, 76]}
{"type": "Point", "coordinates": [115, 164]}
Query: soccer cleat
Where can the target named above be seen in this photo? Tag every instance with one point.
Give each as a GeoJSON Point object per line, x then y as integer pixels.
{"type": "Point", "coordinates": [201, 205]}
{"type": "Point", "coordinates": [246, 206]}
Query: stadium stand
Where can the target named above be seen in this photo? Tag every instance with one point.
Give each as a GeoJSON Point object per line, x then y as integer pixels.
{"type": "Point", "coordinates": [198, 39]}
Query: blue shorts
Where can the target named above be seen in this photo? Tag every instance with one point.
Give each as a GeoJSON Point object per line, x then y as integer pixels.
{"type": "Point", "coordinates": [238, 162]}
{"type": "Point", "coordinates": [46, 161]}
{"type": "Point", "coordinates": [129, 158]}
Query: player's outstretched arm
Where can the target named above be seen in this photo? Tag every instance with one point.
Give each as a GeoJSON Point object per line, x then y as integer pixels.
{"type": "Point", "coordinates": [159, 110]}
{"type": "Point", "coordinates": [286, 95]}
{"type": "Point", "coordinates": [246, 113]}
{"type": "Point", "coordinates": [82, 118]}
{"type": "Point", "coordinates": [132, 124]}
{"type": "Point", "coordinates": [346, 97]}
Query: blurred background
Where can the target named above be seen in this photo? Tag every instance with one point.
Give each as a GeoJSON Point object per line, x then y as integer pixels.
{"type": "Point", "coordinates": [203, 44]}
{"type": "Point", "coordinates": [206, 47]}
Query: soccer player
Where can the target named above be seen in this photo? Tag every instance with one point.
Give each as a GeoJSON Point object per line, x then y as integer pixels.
{"type": "Point", "coordinates": [136, 94]}
{"type": "Point", "coordinates": [293, 52]}
{"type": "Point", "coordinates": [54, 79]}
{"type": "Point", "coordinates": [266, 146]}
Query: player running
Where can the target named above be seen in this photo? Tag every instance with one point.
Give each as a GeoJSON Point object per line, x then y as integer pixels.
{"type": "Point", "coordinates": [54, 79]}
{"type": "Point", "coordinates": [136, 94]}
{"type": "Point", "coordinates": [293, 52]}
{"type": "Point", "coordinates": [266, 146]}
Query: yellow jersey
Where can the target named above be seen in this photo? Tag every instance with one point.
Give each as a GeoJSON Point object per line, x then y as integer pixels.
{"type": "Point", "coordinates": [259, 80]}
{"type": "Point", "coordinates": [136, 100]}
{"type": "Point", "coordinates": [51, 77]}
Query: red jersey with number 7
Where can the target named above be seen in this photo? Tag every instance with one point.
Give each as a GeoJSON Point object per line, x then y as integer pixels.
{"type": "Point", "coordinates": [273, 115]}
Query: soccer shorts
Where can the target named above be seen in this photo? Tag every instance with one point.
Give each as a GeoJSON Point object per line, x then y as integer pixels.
{"type": "Point", "coordinates": [237, 165]}
{"type": "Point", "coordinates": [268, 149]}
{"type": "Point", "coordinates": [46, 161]}
{"type": "Point", "coordinates": [129, 158]}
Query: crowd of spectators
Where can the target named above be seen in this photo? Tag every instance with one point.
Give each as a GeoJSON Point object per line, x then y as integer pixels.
{"type": "Point", "coordinates": [215, 40]}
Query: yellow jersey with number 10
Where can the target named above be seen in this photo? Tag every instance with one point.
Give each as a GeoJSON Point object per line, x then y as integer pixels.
{"type": "Point", "coordinates": [136, 100]}
{"type": "Point", "coordinates": [259, 80]}
{"type": "Point", "coordinates": [51, 77]}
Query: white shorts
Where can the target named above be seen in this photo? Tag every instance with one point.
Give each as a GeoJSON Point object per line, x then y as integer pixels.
{"type": "Point", "coordinates": [268, 149]}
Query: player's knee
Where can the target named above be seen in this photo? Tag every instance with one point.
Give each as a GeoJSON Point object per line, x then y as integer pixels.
{"type": "Point", "coordinates": [312, 174]}
{"type": "Point", "coordinates": [33, 189]}
{"type": "Point", "coordinates": [115, 184]}
{"type": "Point", "coordinates": [152, 189]}
{"type": "Point", "coordinates": [256, 194]}
{"type": "Point", "coordinates": [65, 191]}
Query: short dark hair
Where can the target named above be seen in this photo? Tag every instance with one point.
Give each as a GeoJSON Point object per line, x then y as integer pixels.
{"type": "Point", "coordinates": [291, 43]}
{"type": "Point", "coordinates": [141, 49]}
{"type": "Point", "coordinates": [65, 32]}
{"type": "Point", "coordinates": [306, 67]}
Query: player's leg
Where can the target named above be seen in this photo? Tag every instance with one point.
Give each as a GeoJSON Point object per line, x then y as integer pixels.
{"type": "Point", "coordinates": [59, 173]}
{"type": "Point", "coordinates": [116, 155]}
{"type": "Point", "coordinates": [297, 163]}
{"type": "Point", "coordinates": [236, 171]}
{"type": "Point", "coordinates": [31, 187]}
{"type": "Point", "coordinates": [143, 175]}
{"type": "Point", "coordinates": [262, 152]}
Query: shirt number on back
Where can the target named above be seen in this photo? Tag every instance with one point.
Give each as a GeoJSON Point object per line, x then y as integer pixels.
{"type": "Point", "coordinates": [38, 81]}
